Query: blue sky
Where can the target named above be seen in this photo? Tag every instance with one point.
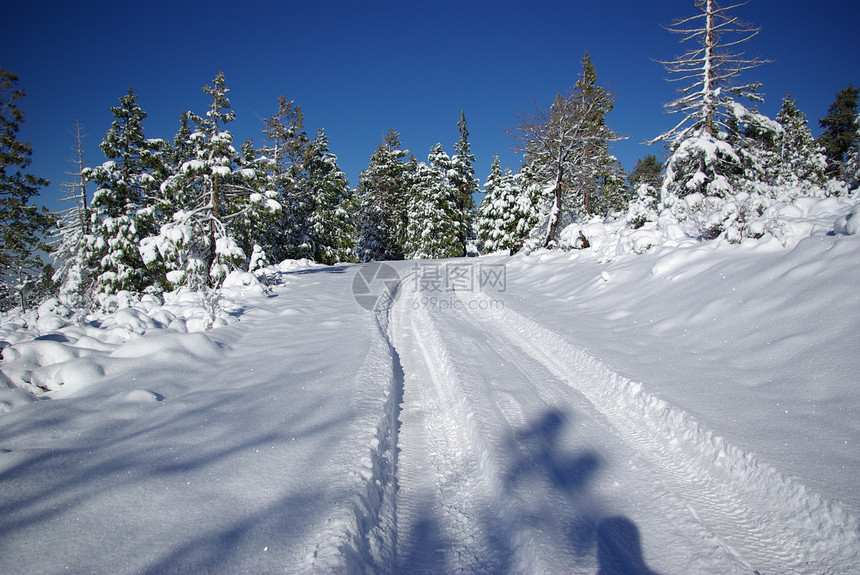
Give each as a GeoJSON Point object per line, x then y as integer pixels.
{"type": "Point", "coordinates": [359, 68]}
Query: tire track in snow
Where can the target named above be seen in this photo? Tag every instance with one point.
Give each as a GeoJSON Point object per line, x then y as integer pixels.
{"type": "Point", "coordinates": [441, 490]}
{"type": "Point", "coordinates": [768, 522]}
{"type": "Point", "coordinates": [553, 484]}
{"type": "Point", "coordinates": [371, 543]}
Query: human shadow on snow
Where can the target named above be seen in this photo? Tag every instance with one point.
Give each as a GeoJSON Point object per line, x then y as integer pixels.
{"type": "Point", "coordinates": [619, 549]}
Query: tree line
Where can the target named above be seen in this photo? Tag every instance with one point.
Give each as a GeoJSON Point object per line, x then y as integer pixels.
{"type": "Point", "coordinates": [185, 211]}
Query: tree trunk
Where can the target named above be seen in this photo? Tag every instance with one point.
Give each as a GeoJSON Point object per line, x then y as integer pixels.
{"type": "Point", "coordinates": [214, 200]}
{"type": "Point", "coordinates": [555, 215]}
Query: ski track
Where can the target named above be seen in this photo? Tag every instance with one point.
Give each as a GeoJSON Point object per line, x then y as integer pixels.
{"type": "Point", "coordinates": [487, 480]}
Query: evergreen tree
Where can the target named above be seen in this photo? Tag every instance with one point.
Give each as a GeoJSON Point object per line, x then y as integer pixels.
{"type": "Point", "coordinates": [285, 150]}
{"type": "Point", "coordinates": [118, 218]}
{"type": "Point", "coordinates": [801, 158]}
{"type": "Point", "coordinates": [217, 196]}
{"type": "Point", "coordinates": [463, 179]}
{"type": "Point", "coordinates": [755, 139]}
{"type": "Point", "coordinates": [72, 276]}
{"type": "Point", "coordinates": [840, 127]}
{"type": "Point", "coordinates": [329, 230]}
{"type": "Point", "coordinates": [434, 225]}
{"type": "Point", "coordinates": [648, 170]}
{"type": "Point", "coordinates": [383, 191]}
{"type": "Point", "coordinates": [851, 166]}
{"type": "Point", "coordinates": [22, 226]}
{"type": "Point", "coordinates": [499, 214]}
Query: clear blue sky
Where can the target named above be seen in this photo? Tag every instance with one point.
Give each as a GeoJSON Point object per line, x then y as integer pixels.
{"type": "Point", "coordinates": [359, 68]}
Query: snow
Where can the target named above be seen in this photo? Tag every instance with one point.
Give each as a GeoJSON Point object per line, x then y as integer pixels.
{"type": "Point", "coordinates": [650, 403]}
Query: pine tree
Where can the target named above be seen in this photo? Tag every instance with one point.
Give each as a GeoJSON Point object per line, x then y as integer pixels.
{"type": "Point", "coordinates": [434, 225]}
{"type": "Point", "coordinates": [755, 140]}
{"type": "Point", "coordinates": [499, 214]}
{"type": "Point", "coordinates": [802, 161]}
{"type": "Point", "coordinates": [119, 219]}
{"type": "Point", "coordinates": [285, 150]}
{"type": "Point", "coordinates": [851, 165]}
{"type": "Point", "coordinates": [840, 127]}
{"type": "Point", "coordinates": [648, 170]}
{"type": "Point", "coordinates": [217, 196]}
{"type": "Point", "coordinates": [383, 195]}
{"type": "Point", "coordinates": [702, 161]}
{"type": "Point", "coordinates": [73, 277]}
{"type": "Point", "coordinates": [463, 179]}
{"type": "Point", "coordinates": [329, 230]}
{"type": "Point", "coordinates": [22, 226]}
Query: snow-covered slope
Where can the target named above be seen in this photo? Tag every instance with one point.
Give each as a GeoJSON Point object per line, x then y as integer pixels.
{"type": "Point", "coordinates": [690, 410]}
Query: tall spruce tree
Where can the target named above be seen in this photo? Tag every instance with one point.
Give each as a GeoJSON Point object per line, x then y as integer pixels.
{"type": "Point", "coordinates": [840, 128]}
{"type": "Point", "coordinates": [72, 276]}
{"type": "Point", "coordinates": [329, 229]}
{"type": "Point", "coordinates": [119, 219]}
{"type": "Point", "coordinates": [463, 179]}
{"type": "Point", "coordinates": [648, 170]}
{"type": "Point", "coordinates": [851, 166]}
{"type": "Point", "coordinates": [22, 226]}
{"type": "Point", "coordinates": [434, 218]}
{"type": "Point", "coordinates": [801, 159]}
{"type": "Point", "coordinates": [383, 197]}
{"type": "Point", "coordinates": [285, 150]}
{"type": "Point", "coordinates": [499, 214]}
{"type": "Point", "coordinates": [217, 196]}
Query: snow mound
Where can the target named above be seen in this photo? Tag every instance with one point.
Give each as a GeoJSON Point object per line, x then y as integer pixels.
{"type": "Point", "coordinates": [848, 224]}
{"type": "Point", "coordinates": [786, 222]}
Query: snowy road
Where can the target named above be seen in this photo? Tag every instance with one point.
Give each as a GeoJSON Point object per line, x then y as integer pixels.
{"type": "Point", "coordinates": [442, 432]}
{"type": "Point", "coordinates": [521, 453]}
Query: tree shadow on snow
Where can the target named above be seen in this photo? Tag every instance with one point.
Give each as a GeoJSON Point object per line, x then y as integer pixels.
{"type": "Point", "coordinates": [542, 455]}
{"type": "Point", "coordinates": [568, 475]}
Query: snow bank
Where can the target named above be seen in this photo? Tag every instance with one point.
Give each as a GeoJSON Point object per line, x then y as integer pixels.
{"type": "Point", "coordinates": [55, 347]}
{"type": "Point", "coordinates": [788, 222]}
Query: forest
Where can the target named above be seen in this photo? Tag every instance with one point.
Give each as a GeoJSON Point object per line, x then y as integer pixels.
{"type": "Point", "coordinates": [184, 211]}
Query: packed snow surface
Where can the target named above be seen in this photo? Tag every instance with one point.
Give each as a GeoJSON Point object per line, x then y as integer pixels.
{"type": "Point", "coordinates": [690, 410]}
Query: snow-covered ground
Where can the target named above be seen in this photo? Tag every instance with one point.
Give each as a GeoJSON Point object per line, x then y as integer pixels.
{"type": "Point", "coordinates": [690, 410]}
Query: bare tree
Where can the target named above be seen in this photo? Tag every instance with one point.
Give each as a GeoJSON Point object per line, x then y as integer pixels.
{"type": "Point", "coordinates": [711, 70]}
{"type": "Point", "coordinates": [566, 146]}
{"type": "Point", "coordinates": [72, 275]}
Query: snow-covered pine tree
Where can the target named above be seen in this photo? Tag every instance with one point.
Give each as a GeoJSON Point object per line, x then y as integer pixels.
{"type": "Point", "coordinates": [285, 149]}
{"type": "Point", "coordinates": [215, 195]}
{"type": "Point", "coordinates": [702, 160]}
{"type": "Point", "coordinates": [755, 139]}
{"type": "Point", "coordinates": [434, 226]}
{"type": "Point", "coordinates": [463, 179]}
{"type": "Point", "coordinates": [644, 180]}
{"type": "Point", "coordinates": [329, 232]}
{"type": "Point", "coordinates": [499, 213]}
{"type": "Point", "coordinates": [851, 165]}
{"type": "Point", "coordinates": [383, 198]}
{"type": "Point", "coordinates": [22, 225]}
{"type": "Point", "coordinates": [119, 214]}
{"type": "Point", "coordinates": [648, 170]}
{"type": "Point", "coordinates": [802, 161]}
